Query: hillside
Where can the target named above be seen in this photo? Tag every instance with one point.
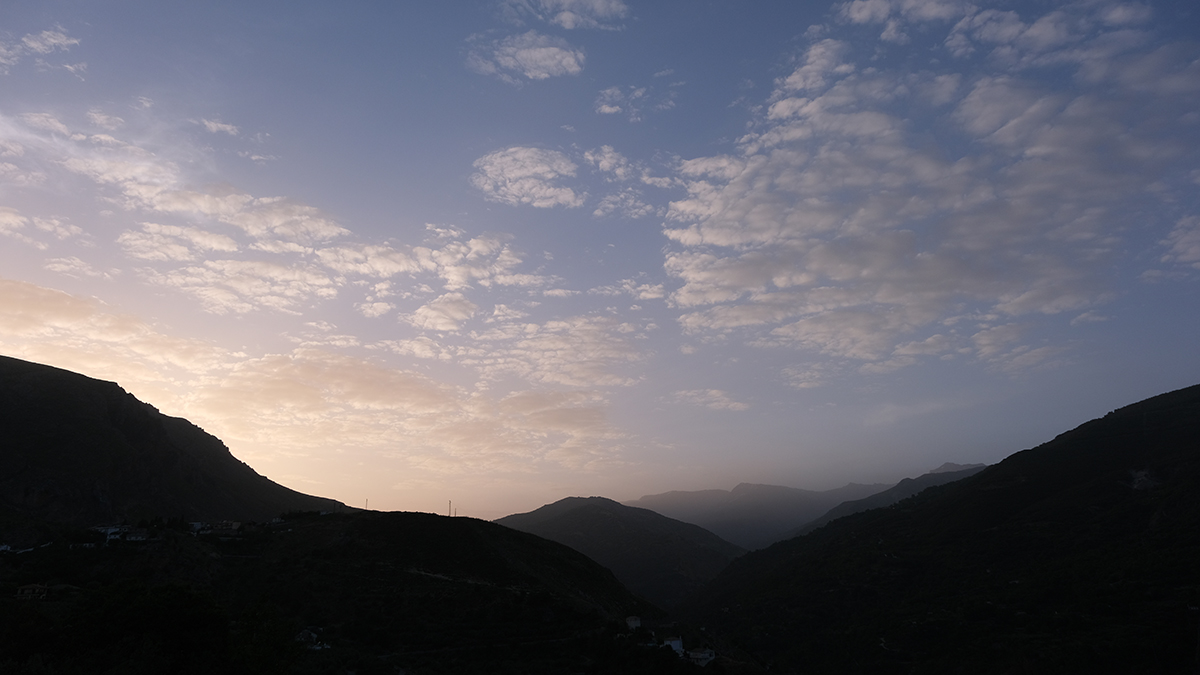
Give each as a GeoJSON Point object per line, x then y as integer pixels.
{"type": "Point", "coordinates": [752, 516]}
{"type": "Point", "coordinates": [1076, 556]}
{"type": "Point", "coordinates": [82, 451]}
{"type": "Point", "coordinates": [900, 491]}
{"type": "Point", "coordinates": [361, 592]}
{"type": "Point", "coordinates": [661, 559]}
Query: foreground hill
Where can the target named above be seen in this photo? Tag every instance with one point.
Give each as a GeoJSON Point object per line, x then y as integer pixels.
{"type": "Point", "coordinates": [81, 451]}
{"type": "Point", "coordinates": [1079, 555]}
{"type": "Point", "coordinates": [752, 516]}
{"type": "Point", "coordinates": [900, 491]}
{"type": "Point", "coordinates": [662, 559]}
{"type": "Point", "coordinates": [361, 592]}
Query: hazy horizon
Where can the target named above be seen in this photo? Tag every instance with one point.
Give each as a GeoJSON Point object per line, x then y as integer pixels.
{"type": "Point", "coordinates": [507, 252]}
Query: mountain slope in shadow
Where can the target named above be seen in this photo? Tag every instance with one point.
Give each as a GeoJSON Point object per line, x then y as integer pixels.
{"type": "Point", "coordinates": [1078, 555]}
{"type": "Point", "coordinates": [81, 451]}
{"type": "Point", "coordinates": [661, 559]}
{"type": "Point", "coordinates": [751, 515]}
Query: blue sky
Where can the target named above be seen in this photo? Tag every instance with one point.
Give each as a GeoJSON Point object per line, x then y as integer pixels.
{"type": "Point", "coordinates": [505, 252]}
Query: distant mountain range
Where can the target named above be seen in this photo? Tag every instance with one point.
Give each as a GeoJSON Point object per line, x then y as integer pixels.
{"type": "Point", "coordinates": [947, 473]}
{"type": "Point", "coordinates": [82, 451]}
{"type": "Point", "coordinates": [752, 516]}
{"type": "Point", "coordinates": [662, 559]}
{"type": "Point", "coordinates": [1079, 555]}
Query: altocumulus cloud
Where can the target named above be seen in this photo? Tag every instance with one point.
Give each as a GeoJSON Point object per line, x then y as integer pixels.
{"type": "Point", "coordinates": [521, 175]}
{"type": "Point", "coordinates": [837, 228]}
{"type": "Point", "coordinates": [531, 55]}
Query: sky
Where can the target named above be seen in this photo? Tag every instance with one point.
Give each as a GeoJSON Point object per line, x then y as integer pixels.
{"type": "Point", "coordinates": [500, 252]}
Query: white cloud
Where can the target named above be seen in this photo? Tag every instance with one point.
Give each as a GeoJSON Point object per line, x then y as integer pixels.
{"type": "Point", "coordinates": [584, 351]}
{"type": "Point", "coordinates": [627, 203]}
{"type": "Point", "coordinates": [531, 55]}
{"type": "Point", "coordinates": [610, 161]}
{"type": "Point", "coordinates": [173, 242]}
{"type": "Point", "coordinates": [218, 127]}
{"type": "Point", "coordinates": [240, 286]}
{"type": "Point", "coordinates": [822, 60]}
{"type": "Point", "coordinates": [46, 122]}
{"type": "Point", "coordinates": [100, 119]}
{"type": "Point", "coordinates": [842, 229]}
{"type": "Point", "coordinates": [714, 399]}
{"type": "Point", "coordinates": [48, 41]}
{"type": "Point", "coordinates": [520, 175]}
{"type": "Point", "coordinates": [445, 313]}
{"type": "Point", "coordinates": [1184, 242]}
{"type": "Point", "coordinates": [572, 14]}
{"type": "Point", "coordinates": [12, 224]}
{"type": "Point", "coordinates": [374, 309]}
{"type": "Point", "coordinates": [73, 266]}
{"type": "Point", "coordinates": [632, 101]}
{"type": "Point", "coordinates": [56, 227]}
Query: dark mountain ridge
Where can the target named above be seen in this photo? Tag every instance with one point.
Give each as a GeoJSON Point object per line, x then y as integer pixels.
{"type": "Point", "coordinates": [752, 515]}
{"type": "Point", "coordinates": [661, 559]}
{"type": "Point", "coordinates": [1078, 555]}
{"type": "Point", "coordinates": [900, 491]}
{"type": "Point", "coordinates": [80, 451]}
{"type": "Point", "coordinates": [324, 589]}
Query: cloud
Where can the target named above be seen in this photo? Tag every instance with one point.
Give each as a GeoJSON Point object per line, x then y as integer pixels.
{"type": "Point", "coordinates": [241, 286]}
{"type": "Point", "coordinates": [100, 119]}
{"type": "Point", "coordinates": [48, 41]}
{"type": "Point", "coordinates": [531, 55]}
{"type": "Point", "coordinates": [74, 267]}
{"type": "Point", "coordinates": [218, 127]}
{"type": "Point", "coordinates": [632, 288]}
{"type": "Point", "coordinates": [172, 242]}
{"type": "Point", "coordinates": [12, 224]}
{"type": "Point", "coordinates": [310, 404]}
{"type": "Point", "coordinates": [840, 228]}
{"type": "Point", "coordinates": [822, 60]}
{"type": "Point", "coordinates": [520, 175]}
{"type": "Point", "coordinates": [49, 326]}
{"type": "Point", "coordinates": [714, 399]}
{"type": "Point", "coordinates": [45, 122]}
{"type": "Point", "coordinates": [627, 203]}
{"type": "Point", "coordinates": [573, 14]}
{"type": "Point", "coordinates": [612, 162]}
{"type": "Point", "coordinates": [446, 313]}
{"type": "Point", "coordinates": [583, 351]}
{"type": "Point", "coordinates": [1184, 243]}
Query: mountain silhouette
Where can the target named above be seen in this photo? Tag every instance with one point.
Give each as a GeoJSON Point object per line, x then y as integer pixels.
{"type": "Point", "coordinates": [322, 589]}
{"type": "Point", "coordinates": [750, 515]}
{"type": "Point", "coordinates": [662, 559]}
{"type": "Point", "coordinates": [1078, 555]}
{"type": "Point", "coordinates": [83, 452]}
{"type": "Point", "coordinates": [902, 490]}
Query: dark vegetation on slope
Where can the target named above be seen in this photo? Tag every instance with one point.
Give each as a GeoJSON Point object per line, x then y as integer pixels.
{"type": "Point", "coordinates": [661, 559]}
{"type": "Point", "coordinates": [752, 516]}
{"type": "Point", "coordinates": [1079, 555]}
{"type": "Point", "coordinates": [376, 592]}
{"type": "Point", "coordinates": [81, 451]}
